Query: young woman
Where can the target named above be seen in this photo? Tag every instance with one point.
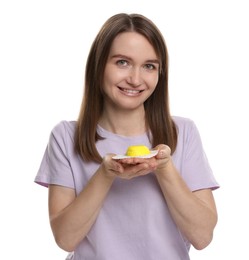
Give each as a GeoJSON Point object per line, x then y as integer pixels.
{"type": "Point", "coordinates": [134, 208]}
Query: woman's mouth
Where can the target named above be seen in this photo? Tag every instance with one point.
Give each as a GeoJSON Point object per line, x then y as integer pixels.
{"type": "Point", "coordinates": [130, 92]}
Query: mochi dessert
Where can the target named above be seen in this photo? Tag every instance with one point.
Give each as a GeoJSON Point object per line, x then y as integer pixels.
{"type": "Point", "coordinates": [137, 150]}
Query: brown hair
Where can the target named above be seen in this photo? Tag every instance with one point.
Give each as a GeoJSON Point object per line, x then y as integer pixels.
{"type": "Point", "coordinates": [158, 119]}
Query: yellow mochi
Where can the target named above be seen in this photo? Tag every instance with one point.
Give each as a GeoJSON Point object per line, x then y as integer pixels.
{"type": "Point", "coordinates": [137, 150]}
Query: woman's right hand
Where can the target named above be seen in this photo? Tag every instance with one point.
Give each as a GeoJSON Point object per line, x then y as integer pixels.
{"type": "Point", "coordinates": [110, 167]}
{"type": "Point", "coordinates": [127, 170]}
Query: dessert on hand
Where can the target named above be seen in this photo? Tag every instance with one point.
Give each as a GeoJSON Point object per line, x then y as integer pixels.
{"type": "Point", "coordinates": [137, 151]}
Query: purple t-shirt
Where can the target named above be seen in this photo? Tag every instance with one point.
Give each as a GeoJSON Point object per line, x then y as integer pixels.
{"type": "Point", "coordinates": [134, 222]}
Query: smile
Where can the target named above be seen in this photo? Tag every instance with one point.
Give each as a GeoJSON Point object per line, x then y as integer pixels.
{"type": "Point", "coordinates": [131, 91]}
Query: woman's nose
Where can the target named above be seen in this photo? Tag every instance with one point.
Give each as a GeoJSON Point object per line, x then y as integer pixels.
{"type": "Point", "coordinates": [134, 77]}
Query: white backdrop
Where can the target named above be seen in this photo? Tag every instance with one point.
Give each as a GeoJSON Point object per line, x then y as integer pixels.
{"type": "Point", "coordinates": [43, 49]}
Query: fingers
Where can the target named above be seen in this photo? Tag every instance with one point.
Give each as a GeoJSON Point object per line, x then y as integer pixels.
{"type": "Point", "coordinates": [110, 166]}
{"type": "Point", "coordinates": [135, 170]}
{"type": "Point", "coordinates": [131, 167]}
{"type": "Point", "coordinates": [128, 168]}
{"type": "Point", "coordinates": [164, 151]}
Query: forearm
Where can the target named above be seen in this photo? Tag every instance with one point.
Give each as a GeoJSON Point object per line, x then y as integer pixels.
{"type": "Point", "coordinates": [73, 223]}
{"type": "Point", "coordinates": [194, 215]}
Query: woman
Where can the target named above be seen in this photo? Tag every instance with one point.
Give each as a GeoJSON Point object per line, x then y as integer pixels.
{"type": "Point", "coordinates": [133, 208]}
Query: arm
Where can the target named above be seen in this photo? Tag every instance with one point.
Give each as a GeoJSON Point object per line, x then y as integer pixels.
{"type": "Point", "coordinates": [193, 212]}
{"type": "Point", "coordinates": [72, 217]}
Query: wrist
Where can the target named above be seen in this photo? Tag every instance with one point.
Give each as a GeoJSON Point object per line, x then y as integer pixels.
{"type": "Point", "coordinates": [105, 175]}
{"type": "Point", "coordinates": [165, 168]}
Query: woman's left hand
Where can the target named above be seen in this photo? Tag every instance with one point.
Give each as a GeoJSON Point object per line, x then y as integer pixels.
{"type": "Point", "coordinates": [133, 167]}
{"type": "Point", "coordinates": [163, 157]}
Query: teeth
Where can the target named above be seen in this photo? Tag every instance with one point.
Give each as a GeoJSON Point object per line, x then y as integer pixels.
{"type": "Point", "coordinates": [131, 91]}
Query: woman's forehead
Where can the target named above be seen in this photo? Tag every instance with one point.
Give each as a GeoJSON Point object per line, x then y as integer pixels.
{"type": "Point", "coordinates": [132, 44]}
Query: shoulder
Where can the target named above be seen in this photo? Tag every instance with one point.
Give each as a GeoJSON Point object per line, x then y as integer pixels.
{"type": "Point", "coordinates": [183, 122]}
{"type": "Point", "coordinates": [187, 134]}
{"type": "Point", "coordinates": [64, 127]}
{"type": "Point", "coordinates": [64, 130]}
{"type": "Point", "coordinates": [186, 128]}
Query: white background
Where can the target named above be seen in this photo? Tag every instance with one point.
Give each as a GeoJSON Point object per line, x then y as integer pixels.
{"type": "Point", "coordinates": [43, 49]}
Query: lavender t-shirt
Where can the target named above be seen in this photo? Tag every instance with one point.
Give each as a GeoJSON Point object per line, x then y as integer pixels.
{"type": "Point", "coordinates": [134, 222]}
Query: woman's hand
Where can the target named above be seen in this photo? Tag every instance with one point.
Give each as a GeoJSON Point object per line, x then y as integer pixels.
{"type": "Point", "coordinates": [127, 168]}
{"type": "Point", "coordinates": [163, 158]}
{"type": "Point", "coordinates": [133, 167]}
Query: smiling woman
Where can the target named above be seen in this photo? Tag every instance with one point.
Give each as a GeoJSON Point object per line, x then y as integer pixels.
{"type": "Point", "coordinates": [146, 207]}
{"type": "Point", "coordinates": [132, 70]}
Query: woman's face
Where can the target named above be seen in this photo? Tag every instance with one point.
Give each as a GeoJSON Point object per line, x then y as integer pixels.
{"type": "Point", "coordinates": [131, 72]}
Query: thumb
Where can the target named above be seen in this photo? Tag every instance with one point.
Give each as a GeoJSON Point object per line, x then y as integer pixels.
{"type": "Point", "coordinates": [163, 151]}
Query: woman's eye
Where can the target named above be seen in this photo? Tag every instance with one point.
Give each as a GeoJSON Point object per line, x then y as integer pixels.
{"type": "Point", "coordinates": [150, 66]}
{"type": "Point", "coordinates": [122, 62]}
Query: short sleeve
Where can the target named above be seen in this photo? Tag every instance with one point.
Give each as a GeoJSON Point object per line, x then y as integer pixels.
{"type": "Point", "coordinates": [55, 166]}
{"type": "Point", "coordinates": [196, 170]}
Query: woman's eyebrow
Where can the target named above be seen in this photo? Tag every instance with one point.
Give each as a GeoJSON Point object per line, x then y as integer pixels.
{"type": "Point", "coordinates": [153, 61]}
{"type": "Point", "coordinates": [121, 56]}
{"type": "Point", "coordinates": [128, 58]}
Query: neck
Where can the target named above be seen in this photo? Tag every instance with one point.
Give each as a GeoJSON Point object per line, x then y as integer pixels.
{"type": "Point", "coordinates": [123, 123]}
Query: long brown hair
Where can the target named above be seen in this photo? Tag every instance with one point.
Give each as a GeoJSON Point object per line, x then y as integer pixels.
{"type": "Point", "coordinates": [158, 119]}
